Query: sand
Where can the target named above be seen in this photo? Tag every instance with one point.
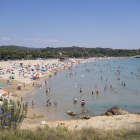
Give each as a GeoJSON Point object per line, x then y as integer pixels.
{"type": "Point", "coordinates": [34, 117]}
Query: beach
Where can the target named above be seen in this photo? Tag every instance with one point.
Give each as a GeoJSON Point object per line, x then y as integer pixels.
{"type": "Point", "coordinates": [41, 70]}
{"type": "Point", "coordinates": [15, 73]}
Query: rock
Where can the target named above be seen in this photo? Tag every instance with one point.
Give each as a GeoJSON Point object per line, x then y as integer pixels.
{"type": "Point", "coordinates": [84, 117]}
{"type": "Point", "coordinates": [138, 113]}
{"type": "Point", "coordinates": [88, 117]}
{"type": "Point", "coordinates": [71, 113]}
{"type": "Point", "coordinates": [116, 111]}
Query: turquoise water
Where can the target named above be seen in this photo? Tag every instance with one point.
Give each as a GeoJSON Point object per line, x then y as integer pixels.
{"type": "Point", "coordinates": [65, 88]}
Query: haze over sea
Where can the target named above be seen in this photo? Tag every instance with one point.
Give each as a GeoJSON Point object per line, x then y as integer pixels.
{"type": "Point", "coordinates": [64, 89]}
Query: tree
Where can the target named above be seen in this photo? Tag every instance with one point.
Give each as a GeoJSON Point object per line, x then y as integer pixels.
{"type": "Point", "coordinates": [13, 114]}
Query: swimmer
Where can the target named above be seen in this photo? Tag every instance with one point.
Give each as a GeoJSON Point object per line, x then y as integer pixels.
{"type": "Point", "coordinates": [111, 86]}
{"type": "Point", "coordinates": [49, 90]}
{"type": "Point", "coordinates": [122, 82]}
{"type": "Point", "coordinates": [92, 92]}
{"type": "Point", "coordinates": [136, 93]}
{"type": "Point", "coordinates": [101, 77]}
{"type": "Point", "coordinates": [97, 91]}
{"type": "Point", "coordinates": [106, 79]}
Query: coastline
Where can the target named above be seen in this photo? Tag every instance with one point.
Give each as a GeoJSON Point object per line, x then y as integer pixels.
{"type": "Point", "coordinates": [33, 121]}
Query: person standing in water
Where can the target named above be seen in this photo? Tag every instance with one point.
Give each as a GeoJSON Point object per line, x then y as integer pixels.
{"type": "Point", "coordinates": [55, 103]}
{"type": "Point", "coordinates": [95, 85]}
{"type": "Point", "coordinates": [46, 90]}
{"type": "Point", "coordinates": [80, 90]}
{"type": "Point", "coordinates": [83, 103]}
{"type": "Point", "coordinates": [33, 103]}
{"type": "Point", "coordinates": [124, 84]}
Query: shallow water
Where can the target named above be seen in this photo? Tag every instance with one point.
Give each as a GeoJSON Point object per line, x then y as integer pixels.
{"type": "Point", "coordinates": [64, 89]}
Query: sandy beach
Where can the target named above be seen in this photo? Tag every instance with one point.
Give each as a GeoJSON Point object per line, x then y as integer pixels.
{"type": "Point", "coordinates": [25, 73]}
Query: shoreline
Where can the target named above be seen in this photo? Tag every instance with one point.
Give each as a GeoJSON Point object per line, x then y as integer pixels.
{"type": "Point", "coordinates": [39, 117]}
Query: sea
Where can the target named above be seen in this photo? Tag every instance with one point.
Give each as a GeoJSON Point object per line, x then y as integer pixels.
{"type": "Point", "coordinates": [87, 76]}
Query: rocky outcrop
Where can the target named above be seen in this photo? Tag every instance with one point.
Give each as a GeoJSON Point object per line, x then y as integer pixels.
{"type": "Point", "coordinates": [116, 111]}
{"type": "Point", "coordinates": [71, 113]}
{"type": "Point", "coordinates": [84, 117]}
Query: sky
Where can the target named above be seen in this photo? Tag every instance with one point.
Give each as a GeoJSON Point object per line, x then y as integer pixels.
{"type": "Point", "coordinates": [64, 23]}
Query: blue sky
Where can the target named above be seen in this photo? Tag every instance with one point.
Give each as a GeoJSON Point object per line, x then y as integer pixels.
{"type": "Point", "coordinates": [64, 23]}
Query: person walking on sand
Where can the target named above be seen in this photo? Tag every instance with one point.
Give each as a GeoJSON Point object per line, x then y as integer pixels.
{"type": "Point", "coordinates": [33, 103]}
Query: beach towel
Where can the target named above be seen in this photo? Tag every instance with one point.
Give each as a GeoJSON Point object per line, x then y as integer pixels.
{"type": "Point", "coordinates": [3, 85]}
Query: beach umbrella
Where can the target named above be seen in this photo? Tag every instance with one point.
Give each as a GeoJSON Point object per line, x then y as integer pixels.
{"type": "Point", "coordinates": [12, 76]}
{"type": "Point", "coordinates": [31, 75]}
{"type": "Point", "coordinates": [19, 84]}
{"type": "Point", "coordinates": [5, 94]}
{"type": "Point", "coordinates": [20, 70]}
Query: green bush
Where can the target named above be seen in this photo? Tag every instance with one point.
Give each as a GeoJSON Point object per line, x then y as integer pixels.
{"type": "Point", "coordinates": [12, 113]}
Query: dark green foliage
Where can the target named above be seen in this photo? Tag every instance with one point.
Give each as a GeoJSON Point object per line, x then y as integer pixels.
{"type": "Point", "coordinates": [17, 52]}
{"type": "Point", "coordinates": [12, 115]}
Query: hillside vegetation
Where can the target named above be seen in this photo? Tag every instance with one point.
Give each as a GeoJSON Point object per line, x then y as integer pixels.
{"type": "Point", "coordinates": [17, 52]}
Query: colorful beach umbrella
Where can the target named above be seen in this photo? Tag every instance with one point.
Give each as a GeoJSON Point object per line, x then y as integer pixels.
{"type": "Point", "coordinates": [19, 84]}
{"type": "Point", "coordinates": [12, 76]}
{"type": "Point", "coordinates": [5, 94]}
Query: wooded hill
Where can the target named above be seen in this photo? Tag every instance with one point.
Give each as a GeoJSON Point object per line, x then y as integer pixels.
{"type": "Point", "coordinates": [20, 52]}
